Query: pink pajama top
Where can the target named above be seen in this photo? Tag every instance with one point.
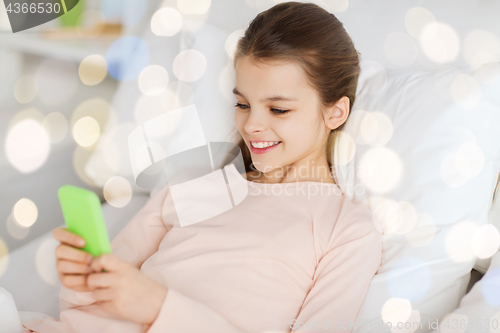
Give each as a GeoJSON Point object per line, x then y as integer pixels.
{"type": "Point", "coordinates": [291, 257]}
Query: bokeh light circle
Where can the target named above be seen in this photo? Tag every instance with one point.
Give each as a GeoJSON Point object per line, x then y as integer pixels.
{"type": "Point", "coordinates": [481, 46]}
{"type": "Point", "coordinates": [86, 131]}
{"type": "Point", "coordinates": [178, 94]}
{"type": "Point", "coordinates": [440, 42]}
{"type": "Point", "coordinates": [45, 261]}
{"type": "Point", "coordinates": [25, 89]}
{"type": "Point", "coordinates": [232, 41]}
{"type": "Point", "coordinates": [189, 65]}
{"type": "Point", "coordinates": [416, 19]}
{"type": "Point", "coordinates": [376, 128]}
{"type": "Point", "coordinates": [153, 80]}
{"type": "Point", "coordinates": [485, 241]}
{"type": "Point", "coordinates": [344, 150]}
{"type": "Point", "coordinates": [92, 69]}
{"type": "Point", "coordinates": [382, 169]}
{"type": "Point", "coordinates": [396, 310]}
{"type": "Point", "coordinates": [4, 256]}
{"type": "Point", "coordinates": [25, 212]}
{"type": "Point", "coordinates": [115, 149]}
{"type": "Point", "coordinates": [459, 241]}
{"type": "Point", "coordinates": [15, 230]}
{"type": "Point", "coordinates": [117, 191]}
{"type": "Point", "coordinates": [27, 145]}
{"type": "Point", "coordinates": [166, 22]}
{"type": "Point", "coordinates": [387, 212]}
{"type": "Point", "coordinates": [56, 126]}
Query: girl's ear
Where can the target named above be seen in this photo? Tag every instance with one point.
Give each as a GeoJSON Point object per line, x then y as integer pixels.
{"type": "Point", "coordinates": [337, 114]}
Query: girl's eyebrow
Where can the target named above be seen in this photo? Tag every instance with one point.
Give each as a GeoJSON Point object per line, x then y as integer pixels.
{"type": "Point", "coordinates": [268, 99]}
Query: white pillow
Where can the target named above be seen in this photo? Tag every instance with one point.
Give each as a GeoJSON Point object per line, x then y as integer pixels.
{"type": "Point", "coordinates": [398, 153]}
{"type": "Point", "coordinates": [482, 265]}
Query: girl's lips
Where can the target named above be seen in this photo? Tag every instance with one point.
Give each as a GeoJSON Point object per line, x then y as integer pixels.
{"type": "Point", "coordinates": [262, 150]}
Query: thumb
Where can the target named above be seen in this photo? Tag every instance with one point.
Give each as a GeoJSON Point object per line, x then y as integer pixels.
{"type": "Point", "coordinates": [108, 262]}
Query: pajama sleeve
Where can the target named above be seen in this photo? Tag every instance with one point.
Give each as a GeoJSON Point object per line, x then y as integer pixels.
{"type": "Point", "coordinates": [135, 243]}
{"type": "Point", "coordinates": [342, 276]}
{"type": "Point", "coordinates": [180, 313]}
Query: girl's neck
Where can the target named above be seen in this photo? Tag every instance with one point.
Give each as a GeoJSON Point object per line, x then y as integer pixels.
{"type": "Point", "coordinates": [307, 171]}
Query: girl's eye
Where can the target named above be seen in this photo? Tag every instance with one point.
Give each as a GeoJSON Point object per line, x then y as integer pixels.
{"type": "Point", "coordinates": [241, 106]}
{"type": "Point", "coordinates": [275, 111]}
{"type": "Point", "coordinates": [278, 111]}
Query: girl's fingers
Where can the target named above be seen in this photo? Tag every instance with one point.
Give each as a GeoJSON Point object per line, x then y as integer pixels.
{"type": "Point", "coordinates": [67, 252]}
{"type": "Point", "coordinates": [82, 289]}
{"type": "Point", "coordinates": [73, 281]}
{"type": "Point", "coordinates": [65, 236]}
{"type": "Point", "coordinates": [100, 280]}
{"type": "Point", "coordinates": [70, 267]}
{"type": "Point", "coordinates": [108, 262]}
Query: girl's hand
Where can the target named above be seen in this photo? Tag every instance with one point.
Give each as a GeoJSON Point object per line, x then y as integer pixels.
{"type": "Point", "coordinates": [124, 290]}
{"type": "Point", "coordinates": [73, 264]}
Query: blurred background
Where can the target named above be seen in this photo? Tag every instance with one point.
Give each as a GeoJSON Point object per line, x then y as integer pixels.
{"type": "Point", "coordinates": [45, 88]}
{"type": "Point", "coordinates": [72, 89]}
{"type": "Point", "coordinates": [57, 95]}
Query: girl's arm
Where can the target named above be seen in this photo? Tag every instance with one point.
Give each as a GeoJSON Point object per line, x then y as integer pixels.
{"type": "Point", "coordinates": [135, 243]}
{"type": "Point", "coordinates": [342, 276]}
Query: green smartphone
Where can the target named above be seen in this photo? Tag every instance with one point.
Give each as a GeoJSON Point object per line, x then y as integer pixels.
{"type": "Point", "coordinates": [83, 215]}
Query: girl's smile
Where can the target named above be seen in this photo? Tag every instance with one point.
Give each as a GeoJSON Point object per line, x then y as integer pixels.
{"type": "Point", "coordinates": [262, 147]}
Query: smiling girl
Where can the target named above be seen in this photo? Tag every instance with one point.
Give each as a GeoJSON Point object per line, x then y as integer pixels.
{"type": "Point", "coordinates": [290, 261]}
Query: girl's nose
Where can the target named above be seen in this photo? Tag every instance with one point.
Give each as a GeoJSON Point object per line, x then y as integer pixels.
{"type": "Point", "coordinates": [255, 123]}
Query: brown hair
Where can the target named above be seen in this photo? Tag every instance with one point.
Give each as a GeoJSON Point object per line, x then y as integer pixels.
{"type": "Point", "coordinates": [315, 39]}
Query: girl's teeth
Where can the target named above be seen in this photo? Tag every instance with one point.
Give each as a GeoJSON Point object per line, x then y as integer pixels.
{"type": "Point", "coordinates": [264, 144]}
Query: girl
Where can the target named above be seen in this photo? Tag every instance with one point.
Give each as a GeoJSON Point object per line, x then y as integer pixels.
{"type": "Point", "coordinates": [295, 255]}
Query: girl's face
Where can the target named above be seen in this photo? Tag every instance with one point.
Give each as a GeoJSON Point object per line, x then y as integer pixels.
{"type": "Point", "coordinates": [276, 105]}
